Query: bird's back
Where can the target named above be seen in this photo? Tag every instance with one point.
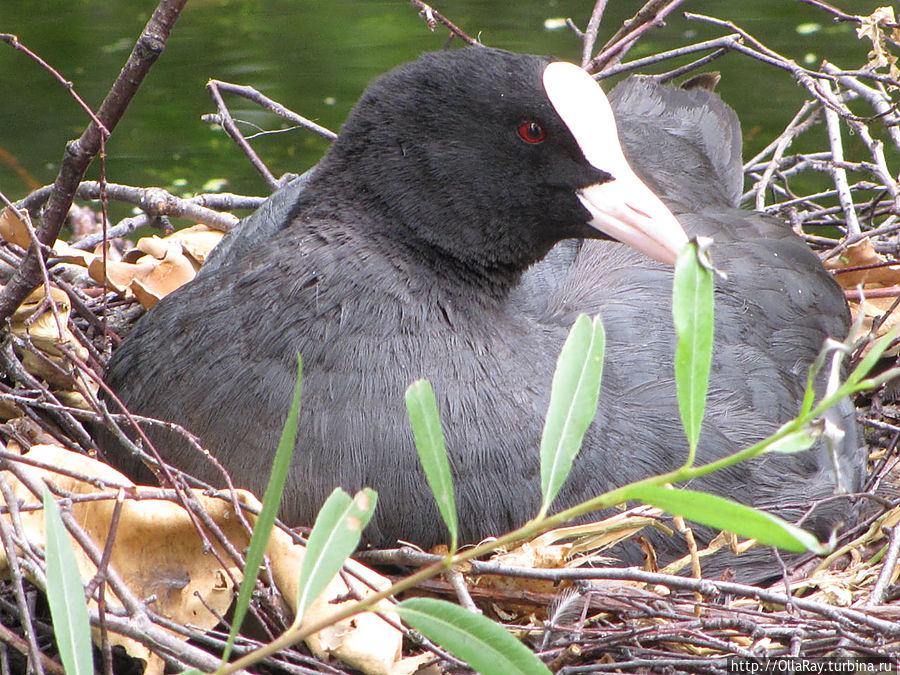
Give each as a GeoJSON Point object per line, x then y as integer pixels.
{"type": "Point", "coordinates": [773, 314]}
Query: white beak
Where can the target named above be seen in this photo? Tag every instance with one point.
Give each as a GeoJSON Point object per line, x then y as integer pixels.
{"type": "Point", "coordinates": [623, 208]}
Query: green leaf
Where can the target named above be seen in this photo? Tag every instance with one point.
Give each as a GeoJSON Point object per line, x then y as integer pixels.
{"type": "Point", "coordinates": [809, 393]}
{"type": "Point", "coordinates": [266, 518]}
{"type": "Point", "coordinates": [872, 356]}
{"type": "Point", "coordinates": [724, 514]}
{"type": "Point", "coordinates": [573, 403]}
{"type": "Point", "coordinates": [484, 645]}
{"type": "Point", "coordinates": [692, 311]}
{"type": "Point", "coordinates": [334, 537]}
{"type": "Point", "coordinates": [426, 425]}
{"type": "Point", "coordinates": [796, 441]}
{"type": "Point", "coordinates": [65, 593]}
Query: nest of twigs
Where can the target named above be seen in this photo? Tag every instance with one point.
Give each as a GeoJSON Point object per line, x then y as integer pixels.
{"type": "Point", "coordinates": [55, 344]}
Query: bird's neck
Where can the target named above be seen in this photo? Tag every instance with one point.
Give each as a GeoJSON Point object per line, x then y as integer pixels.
{"type": "Point", "coordinates": [417, 240]}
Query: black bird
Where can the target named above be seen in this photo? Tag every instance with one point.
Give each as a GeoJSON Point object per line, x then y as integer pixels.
{"type": "Point", "coordinates": [421, 247]}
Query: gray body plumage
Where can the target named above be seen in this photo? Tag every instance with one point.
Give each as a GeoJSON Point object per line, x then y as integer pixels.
{"type": "Point", "coordinates": [309, 274]}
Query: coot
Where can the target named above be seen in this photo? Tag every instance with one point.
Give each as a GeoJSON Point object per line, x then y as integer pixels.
{"type": "Point", "coordinates": [421, 247]}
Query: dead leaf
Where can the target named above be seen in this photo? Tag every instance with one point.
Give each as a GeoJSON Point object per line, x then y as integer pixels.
{"type": "Point", "coordinates": [877, 273]}
{"type": "Point", "coordinates": [70, 254]}
{"type": "Point", "coordinates": [9, 411]}
{"type": "Point", "coordinates": [871, 27]}
{"type": "Point", "coordinates": [156, 266]}
{"type": "Point", "coordinates": [863, 254]}
{"type": "Point", "coordinates": [197, 241]}
{"type": "Point", "coordinates": [158, 553]}
{"type": "Point", "coordinates": [365, 641]}
{"type": "Point", "coordinates": [580, 545]}
{"type": "Point", "coordinates": [119, 275]}
{"type": "Point", "coordinates": [13, 230]}
{"type": "Point", "coordinates": [44, 331]}
{"type": "Point", "coordinates": [51, 338]}
{"type": "Point", "coordinates": [173, 271]}
{"type": "Point", "coordinates": [875, 309]}
{"type": "Point", "coordinates": [154, 246]}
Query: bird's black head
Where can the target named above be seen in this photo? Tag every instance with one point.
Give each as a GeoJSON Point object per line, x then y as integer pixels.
{"type": "Point", "coordinates": [489, 158]}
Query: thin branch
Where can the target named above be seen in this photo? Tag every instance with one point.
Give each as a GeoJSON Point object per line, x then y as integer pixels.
{"type": "Point", "coordinates": [647, 17]}
{"type": "Point", "coordinates": [225, 119]}
{"type": "Point", "coordinates": [782, 143]}
{"type": "Point", "coordinates": [839, 175]}
{"type": "Point", "coordinates": [80, 153]}
{"type": "Point", "coordinates": [838, 14]}
{"type": "Point", "coordinates": [433, 17]}
{"type": "Point", "coordinates": [272, 106]}
{"type": "Point", "coordinates": [590, 33]}
{"type": "Point", "coordinates": [888, 567]}
{"type": "Point", "coordinates": [721, 43]}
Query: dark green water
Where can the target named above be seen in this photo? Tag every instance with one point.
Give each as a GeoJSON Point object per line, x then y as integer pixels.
{"type": "Point", "coordinates": [316, 57]}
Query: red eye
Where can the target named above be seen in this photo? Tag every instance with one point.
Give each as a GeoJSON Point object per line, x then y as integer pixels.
{"type": "Point", "coordinates": [532, 132]}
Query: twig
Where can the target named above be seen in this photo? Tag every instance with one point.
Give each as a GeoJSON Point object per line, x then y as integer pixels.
{"type": "Point", "coordinates": [18, 580]}
{"type": "Point", "coordinates": [837, 13]}
{"type": "Point", "coordinates": [66, 421]}
{"type": "Point", "coordinates": [458, 582]}
{"type": "Point", "coordinates": [13, 41]}
{"type": "Point", "coordinates": [650, 15]}
{"type": "Point", "coordinates": [782, 143]}
{"type": "Point", "coordinates": [706, 587]}
{"type": "Point", "coordinates": [225, 119]}
{"type": "Point", "coordinates": [80, 153]}
{"type": "Point", "coordinates": [433, 17]}
{"type": "Point", "coordinates": [272, 106]}
{"type": "Point", "coordinates": [879, 100]}
{"type": "Point", "coordinates": [207, 209]}
{"type": "Point", "coordinates": [722, 43]}
{"type": "Point", "coordinates": [590, 33]}
{"type": "Point", "coordinates": [888, 567]}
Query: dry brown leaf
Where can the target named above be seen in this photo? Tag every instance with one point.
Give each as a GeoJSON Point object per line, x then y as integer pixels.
{"type": "Point", "coordinates": [157, 266]}
{"type": "Point", "coordinates": [157, 552]}
{"type": "Point", "coordinates": [173, 271]}
{"type": "Point", "coordinates": [119, 275]}
{"type": "Point", "coordinates": [9, 411]}
{"type": "Point", "coordinates": [875, 309]}
{"type": "Point", "coordinates": [862, 254]}
{"type": "Point", "coordinates": [43, 330]}
{"type": "Point", "coordinates": [878, 274]}
{"type": "Point", "coordinates": [153, 245]}
{"type": "Point", "coordinates": [70, 254]}
{"type": "Point", "coordinates": [365, 641]}
{"type": "Point", "coordinates": [870, 27]}
{"type": "Point", "coordinates": [413, 665]}
{"type": "Point", "coordinates": [50, 338]}
{"type": "Point", "coordinates": [13, 230]}
{"type": "Point", "coordinates": [583, 544]}
{"type": "Point", "coordinates": [197, 241]}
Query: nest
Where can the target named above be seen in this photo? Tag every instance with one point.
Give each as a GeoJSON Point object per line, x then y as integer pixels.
{"type": "Point", "coordinates": [578, 617]}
